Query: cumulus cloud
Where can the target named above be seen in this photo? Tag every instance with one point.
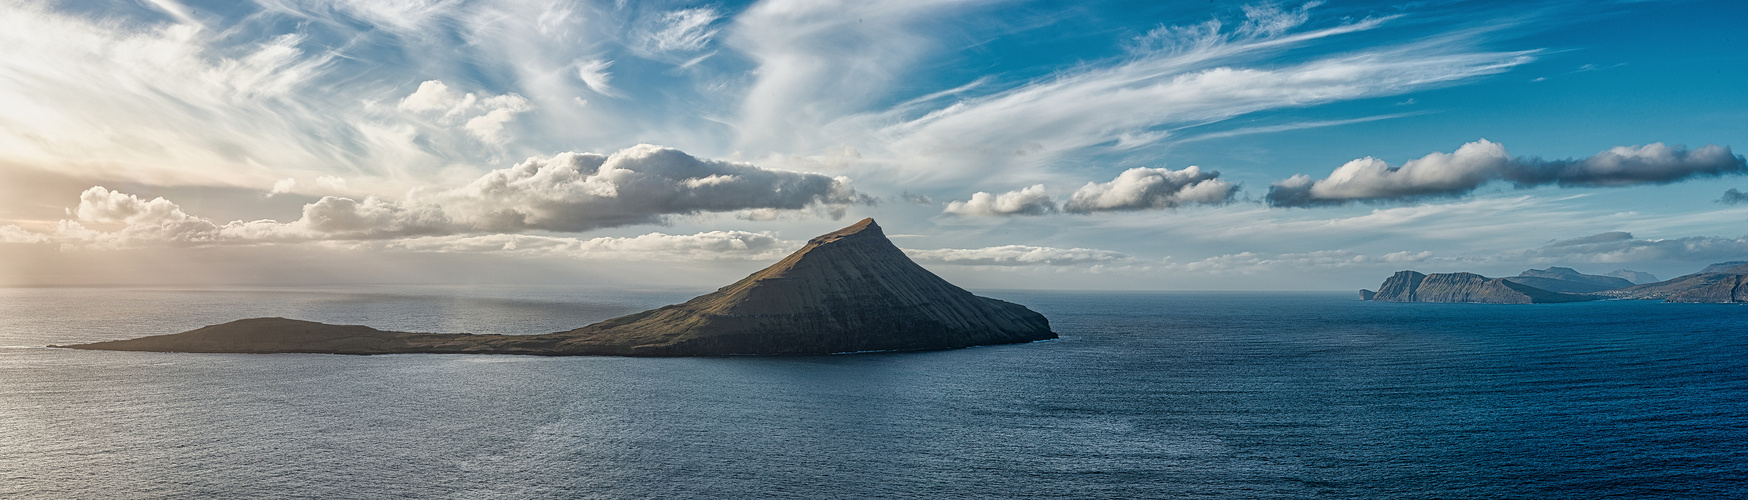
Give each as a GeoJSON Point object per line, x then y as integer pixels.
{"type": "Point", "coordinates": [1017, 255]}
{"type": "Point", "coordinates": [1477, 163]}
{"type": "Point", "coordinates": [1733, 197]}
{"type": "Point", "coordinates": [141, 221]}
{"type": "Point", "coordinates": [282, 186]}
{"type": "Point", "coordinates": [639, 185]}
{"type": "Point", "coordinates": [1029, 201]}
{"type": "Point", "coordinates": [482, 115]}
{"type": "Point", "coordinates": [1151, 188]}
{"type": "Point", "coordinates": [14, 234]}
{"type": "Point", "coordinates": [569, 192]}
{"type": "Point", "coordinates": [1619, 246]}
{"type": "Point", "coordinates": [917, 199]}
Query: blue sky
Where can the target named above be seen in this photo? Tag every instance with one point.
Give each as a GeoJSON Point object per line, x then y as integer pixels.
{"type": "Point", "coordinates": [1006, 144]}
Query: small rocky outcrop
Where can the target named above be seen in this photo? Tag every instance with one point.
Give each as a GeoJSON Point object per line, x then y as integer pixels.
{"type": "Point", "coordinates": [848, 291]}
{"type": "Point", "coordinates": [1411, 286]}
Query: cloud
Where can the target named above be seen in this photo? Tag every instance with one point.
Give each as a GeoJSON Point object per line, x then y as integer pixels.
{"type": "Point", "coordinates": [1151, 188]}
{"type": "Point", "coordinates": [1017, 255]}
{"type": "Point", "coordinates": [1477, 163]}
{"type": "Point", "coordinates": [595, 75]}
{"type": "Point", "coordinates": [917, 199]}
{"type": "Point", "coordinates": [1254, 262]}
{"type": "Point", "coordinates": [638, 185]}
{"type": "Point", "coordinates": [1618, 246]}
{"type": "Point", "coordinates": [679, 31]}
{"type": "Point", "coordinates": [14, 234]}
{"type": "Point", "coordinates": [1179, 77]}
{"type": "Point", "coordinates": [155, 221]}
{"type": "Point", "coordinates": [1599, 238]}
{"type": "Point", "coordinates": [330, 183]}
{"type": "Point", "coordinates": [282, 186]}
{"type": "Point", "coordinates": [483, 116]}
{"type": "Point", "coordinates": [820, 63]}
{"type": "Point", "coordinates": [1732, 197]}
{"type": "Point", "coordinates": [569, 192]}
{"type": "Point", "coordinates": [174, 104]}
{"type": "Point", "coordinates": [1028, 201]}
{"type": "Point", "coordinates": [711, 245]}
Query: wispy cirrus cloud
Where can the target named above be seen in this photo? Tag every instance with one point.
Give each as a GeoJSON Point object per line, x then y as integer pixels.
{"type": "Point", "coordinates": [1179, 76]}
{"type": "Point", "coordinates": [820, 62]}
{"type": "Point", "coordinates": [679, 32]}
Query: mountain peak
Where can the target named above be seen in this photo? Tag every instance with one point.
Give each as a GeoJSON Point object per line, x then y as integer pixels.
{"type": "Point", "coordinates": [847, 290]}
{"type": "Point", "coordinates": [861, 227]}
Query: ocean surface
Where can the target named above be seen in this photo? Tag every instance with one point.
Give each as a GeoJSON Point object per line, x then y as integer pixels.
{"type": "Point", "coordinates": [1146, 395]}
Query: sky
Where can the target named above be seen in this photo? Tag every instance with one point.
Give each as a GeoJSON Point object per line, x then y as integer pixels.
{"type": "Point", "coordinates": [1004, 144]}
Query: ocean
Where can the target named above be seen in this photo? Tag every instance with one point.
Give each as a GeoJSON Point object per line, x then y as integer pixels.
{"type": "Point", "coordinates": [1146, 395]}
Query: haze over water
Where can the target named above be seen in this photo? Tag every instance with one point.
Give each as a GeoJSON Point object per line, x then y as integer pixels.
{"type": "Point", "coordinates": [1145, 395]}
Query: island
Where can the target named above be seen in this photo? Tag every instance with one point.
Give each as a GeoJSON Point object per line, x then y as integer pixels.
{"type": "Point", "coordinates": [1722, 283]}
{"type": "Point", "coordinates": [851, 290]}
{"type": "Point", "coordinates": [1410, 286]}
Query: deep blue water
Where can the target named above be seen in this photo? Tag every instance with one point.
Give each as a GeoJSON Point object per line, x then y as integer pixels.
{"type": "Point", "coordinates": [1146, 395]}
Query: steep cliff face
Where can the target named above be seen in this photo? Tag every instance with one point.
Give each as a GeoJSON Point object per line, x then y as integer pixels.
{"type": "Point", "coordinates": [848, 291]}
{"type": "Point", "coordinates": [1410, 286]}
{"type": "Point", "coordinates": [1399, 287]}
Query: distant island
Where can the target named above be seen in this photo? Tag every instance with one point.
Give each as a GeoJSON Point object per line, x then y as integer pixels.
{"type": "Point", "coordinates": [851, 290]}
{"type": "Point", "coordinates": [1723, 283]}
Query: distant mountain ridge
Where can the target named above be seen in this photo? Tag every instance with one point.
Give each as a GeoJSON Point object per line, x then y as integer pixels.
{"type": "Point", "coordinates": [1725, 282]}
{"type": "Point", "coordinates": [1412, 286]}
{"type": "Point", "coordinates": [1637, 277]}
{"type": "Point", "coordinates": [1723, 267]}
{"type": "Point", "coordinates": [1567, 280]}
